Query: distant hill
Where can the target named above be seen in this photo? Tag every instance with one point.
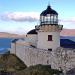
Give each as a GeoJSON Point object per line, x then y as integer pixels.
{"type": "Point", "coordinates": [9, 35]}
{"type": "Point", "coordinates": [68, 32]}
{"type": "Point", "coordinates": [64, 32]}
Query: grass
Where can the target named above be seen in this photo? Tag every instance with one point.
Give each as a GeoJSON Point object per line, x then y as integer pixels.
{"type": "Point", "coordinates": [10, 62]}
{"type": "Point", "coordinates": [38, 70]}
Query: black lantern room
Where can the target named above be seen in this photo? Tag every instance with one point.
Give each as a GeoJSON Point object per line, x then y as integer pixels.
{"type": "Point", "coordinates": [49, 16]}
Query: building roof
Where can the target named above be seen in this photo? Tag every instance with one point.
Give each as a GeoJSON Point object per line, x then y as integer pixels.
{"type": "Point", "coordinates": [66, 43]}
{"type": "Point", "coordinates": [33, 31]}
{"type": "Point", "coordinates": [14, 40]}
{"type": "Point", "coordinates": [49, 10]}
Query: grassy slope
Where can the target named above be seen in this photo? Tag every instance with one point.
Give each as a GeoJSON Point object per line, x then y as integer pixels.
{"type": "Point", "coordinates": [10, 62]}
{"type": "Point", "coordinates": [38, 70]}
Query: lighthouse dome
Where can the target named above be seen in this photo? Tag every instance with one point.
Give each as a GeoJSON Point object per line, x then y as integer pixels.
{"type": "Point", "coordinates": [49, 16]}
{"type": "Point", "coordinates": [49, 10]}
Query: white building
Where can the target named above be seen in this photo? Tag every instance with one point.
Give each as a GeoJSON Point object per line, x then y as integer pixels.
{"type": "Point", "coordinates": [41, 43]}
{"type": "Point", "coordinates": [44, 39]}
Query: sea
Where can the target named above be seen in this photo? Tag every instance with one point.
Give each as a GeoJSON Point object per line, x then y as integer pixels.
{"type": "Point", "coordinates": [5, 43]}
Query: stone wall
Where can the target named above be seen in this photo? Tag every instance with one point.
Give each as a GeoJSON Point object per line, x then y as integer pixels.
{"type": "Point", "coordinates": [32, 56]}
{"type": "Point", "coordinates": [66, 58]}
{"type": "Point", "coordinates": [61, 58]}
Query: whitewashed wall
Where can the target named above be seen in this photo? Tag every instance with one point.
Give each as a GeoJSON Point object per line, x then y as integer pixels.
{"type": "Point", "coordinates": [13, 48]}
{"type": "Point", "coordinates": [32, 56]}
{"type": "Point", "coordinates": [32, 38]}
{"type": "Point", "coordinates": [43, 42]}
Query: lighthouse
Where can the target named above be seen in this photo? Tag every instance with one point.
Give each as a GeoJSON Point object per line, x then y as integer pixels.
{"type": "Point", "coordinates": [48, 30]}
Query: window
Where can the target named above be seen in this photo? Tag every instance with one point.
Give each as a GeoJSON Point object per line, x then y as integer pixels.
{"type": "Point", "coordinates": [49, 49]}
{"type": "Point", "coordinates": [49, 37]}
{"type": "Point", "coordinates": [47, 61]}
{"type": "Point", "coordinates": [51, 19]}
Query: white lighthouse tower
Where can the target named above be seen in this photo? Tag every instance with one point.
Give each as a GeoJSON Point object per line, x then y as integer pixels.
{"type": "Point", "coordinates": [48, 30]}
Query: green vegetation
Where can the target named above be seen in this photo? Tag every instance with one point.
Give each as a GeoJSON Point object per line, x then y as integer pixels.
{"type": "Point", "coordinates": [38, 70]}
{"type": "Point", "coordinates": [11, 63]}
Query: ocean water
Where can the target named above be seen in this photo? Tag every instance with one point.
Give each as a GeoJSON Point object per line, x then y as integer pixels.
{"type": "Point", "coordinates": [5, 43]}
{"type": "Point", "coordinates": [68, 37]}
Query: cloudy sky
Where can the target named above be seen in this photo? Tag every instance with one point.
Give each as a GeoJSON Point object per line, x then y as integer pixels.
{"type": "Point", "coordinates": [20, 16]}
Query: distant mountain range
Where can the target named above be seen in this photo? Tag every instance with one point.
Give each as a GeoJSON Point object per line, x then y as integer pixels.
{"type": "Point", "coordinates": [68, 32]}
{"type": "Point", "coordinates": [64, 32]}
{"type": "Point", "coordinates": [9, 35]}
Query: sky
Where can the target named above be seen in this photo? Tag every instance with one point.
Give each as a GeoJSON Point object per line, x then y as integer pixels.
{"type": "Point", "coordinates": [20, 16]}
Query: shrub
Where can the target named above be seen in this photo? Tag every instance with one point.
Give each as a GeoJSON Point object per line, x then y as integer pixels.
{"type": "Point", "coordinates": [38, 70]}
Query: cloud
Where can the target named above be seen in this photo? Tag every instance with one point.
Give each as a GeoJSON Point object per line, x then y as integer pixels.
{"type": "Point", "coordinates": [70, 21]}
{"type": "Point", "coordinates": [29, 17]}
{"type": "Point", "coordinates": [20, 16]}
